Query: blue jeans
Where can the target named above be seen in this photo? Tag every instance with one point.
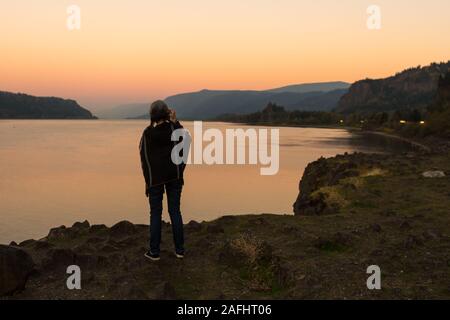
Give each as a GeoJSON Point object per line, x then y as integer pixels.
{"type": "Point", "coordinates": [173, 191]}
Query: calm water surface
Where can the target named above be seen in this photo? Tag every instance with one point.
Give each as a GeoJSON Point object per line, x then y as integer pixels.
{"type": "Point", "coordinates": [58, 172]}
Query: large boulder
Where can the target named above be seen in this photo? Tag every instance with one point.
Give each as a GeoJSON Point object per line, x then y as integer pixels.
{"type": "Point", "coordinates": [85, 225]}
{"type": "Point", "coordinates": [319, 174]}
{"type": "Point", "coordinates": [59, 234]}
{"type": "Point", "coordinates": [323, 178]}
{"type": "Point", "coordinates": [62, 233]}
{"type": "Point", "coordinates": [15, 267]}
{"type": "Point", "coordinates": [122, 229]}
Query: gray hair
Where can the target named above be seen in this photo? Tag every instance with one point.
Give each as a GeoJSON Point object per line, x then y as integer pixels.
{"type": "Point", "coordinates": [159, 111]}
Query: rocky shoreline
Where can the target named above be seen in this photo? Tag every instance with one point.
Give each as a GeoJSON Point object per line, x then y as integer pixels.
{"type": "Point", "coordinates": [353, 211]}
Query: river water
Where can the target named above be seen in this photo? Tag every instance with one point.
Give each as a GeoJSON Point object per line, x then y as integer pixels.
{"type": "Point", "coordinates": [56, 172]}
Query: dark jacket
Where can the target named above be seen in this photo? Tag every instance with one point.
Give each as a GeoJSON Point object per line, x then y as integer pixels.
{"type": "Point", "coordinates": [155, 150]}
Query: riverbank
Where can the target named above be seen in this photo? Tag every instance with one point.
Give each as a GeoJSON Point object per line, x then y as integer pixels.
{"type": "Point", "coordinates": [371, 210]}
{"type": "Point", "coordinates": [426, 145]}
{"type": "Point", "coordinates": [420, 145]}
{"type": "Point", "coordinates": [284, 125]}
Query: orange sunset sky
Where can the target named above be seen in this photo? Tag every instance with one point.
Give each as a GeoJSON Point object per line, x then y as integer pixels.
{"type": "Point", "coordinates": [138, 50]}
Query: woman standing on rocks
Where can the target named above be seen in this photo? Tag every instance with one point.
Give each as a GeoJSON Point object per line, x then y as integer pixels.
{"type": "Point", "coordinates": [162, 174]}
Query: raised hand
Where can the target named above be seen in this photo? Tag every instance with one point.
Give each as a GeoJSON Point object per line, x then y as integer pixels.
{"type": "Point", "coordinates": [173, 115]}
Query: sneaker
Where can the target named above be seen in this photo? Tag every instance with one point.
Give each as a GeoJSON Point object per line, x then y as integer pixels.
{"type": "Point", "coordinates": [179, 255]}
{"type": "Point", "coordinates": [151, 256]}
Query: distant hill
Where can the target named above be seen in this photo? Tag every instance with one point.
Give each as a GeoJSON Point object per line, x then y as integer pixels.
{"type": "Point", "coordinates": [413, 88]}
{"type": "Point", "coordinates": [311, 87]}
{"type": "Point", "coordinates": [23, 106]}
{"type": "Point", "coordinates": [208, 104]}
{"type": "Point", "coordinates": [274, 114]}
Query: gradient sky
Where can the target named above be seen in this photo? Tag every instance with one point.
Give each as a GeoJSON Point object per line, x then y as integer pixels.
{"type": "Point", "coordinates": [137, 50]}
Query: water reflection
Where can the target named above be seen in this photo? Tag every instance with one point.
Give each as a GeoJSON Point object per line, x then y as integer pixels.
{"type": "Point", "coordinates": [372, 142]}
